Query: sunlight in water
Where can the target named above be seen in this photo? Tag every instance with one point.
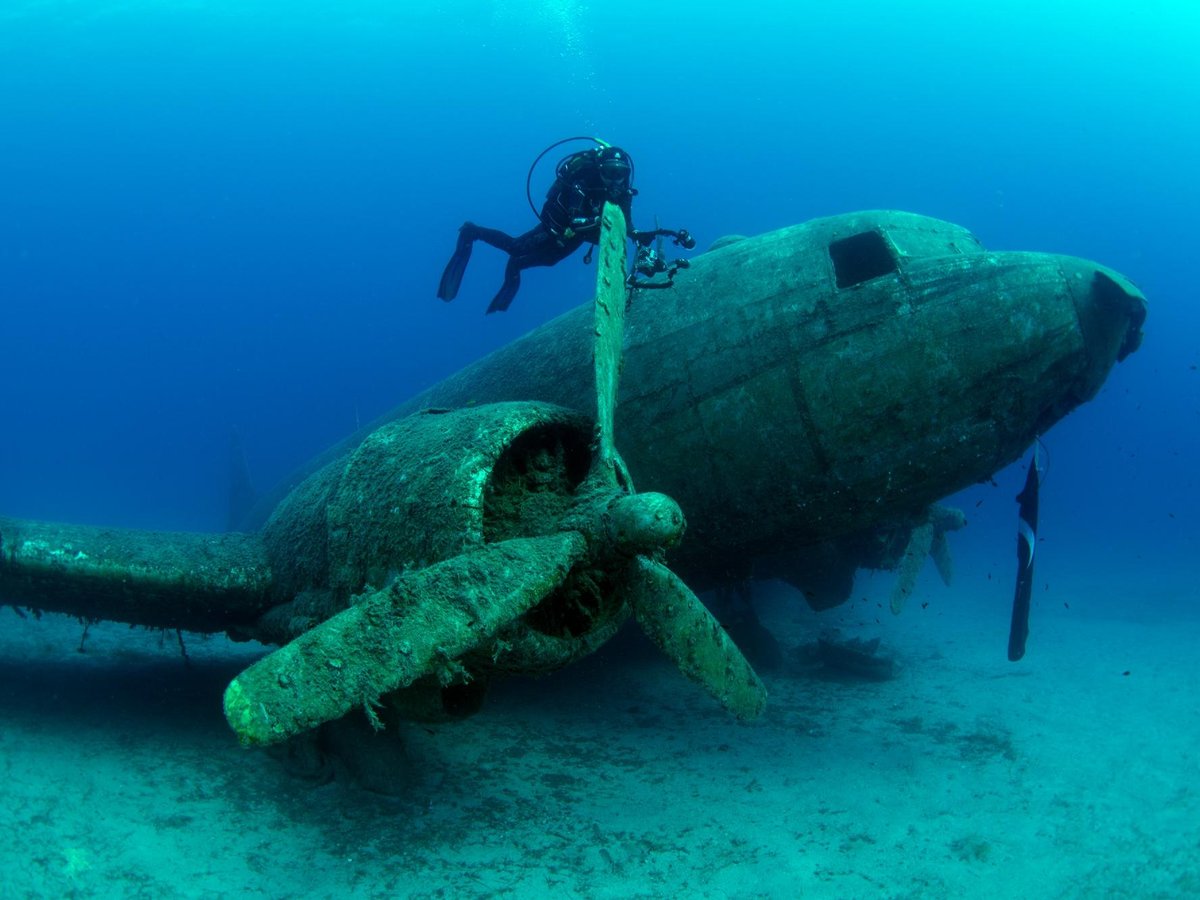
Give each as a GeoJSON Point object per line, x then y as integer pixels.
{"type": "Point", "coordinates": [559, 29]}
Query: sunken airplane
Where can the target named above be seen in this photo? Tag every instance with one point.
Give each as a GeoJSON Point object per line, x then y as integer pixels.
{"type": "Point", "coordinates": [804, 397]}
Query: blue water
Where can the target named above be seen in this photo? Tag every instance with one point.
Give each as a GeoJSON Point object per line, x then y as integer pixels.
{"type": "Point", "coordinates": [222, 216]}
{"type": "Point", "coordinates": [219, 215]}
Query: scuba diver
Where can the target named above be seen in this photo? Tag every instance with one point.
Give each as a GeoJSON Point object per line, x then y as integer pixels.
{"type": "Point", "coordinates": [570, 217]}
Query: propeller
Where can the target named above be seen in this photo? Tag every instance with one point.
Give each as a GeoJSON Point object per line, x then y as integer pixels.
{"type": "Point", "coordinates": [391, 637]}
{"type": "Point", "coordinates": [666, 608]}
{"type": "Point", "coordinates": [427, 620]}
{"type": "Point", "coordinates": [926, 538]}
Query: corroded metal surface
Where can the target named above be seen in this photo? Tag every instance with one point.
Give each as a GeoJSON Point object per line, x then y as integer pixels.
{"type": "Point", "coordinates": [782, 406]}
{"type": "Point", "coordinates": [792, 392]}
{"type": "Point", "coordinates": [199, 582]}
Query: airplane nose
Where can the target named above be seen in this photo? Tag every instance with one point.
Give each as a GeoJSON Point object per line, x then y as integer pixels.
{"type": "Point", "coordinates": [1111, 313]}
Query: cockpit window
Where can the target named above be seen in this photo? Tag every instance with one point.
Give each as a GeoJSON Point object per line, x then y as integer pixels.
{"type": "Point", "coordinates": [861, 257]}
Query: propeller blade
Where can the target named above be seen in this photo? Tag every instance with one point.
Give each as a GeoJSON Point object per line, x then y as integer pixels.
{"type": "Point", "coordinates": [945, 519]}
{"type": "Point", "coordinates": [920, 542]}
{"type": "Point", "coordinates": [940, 551]}
{"type": "Point", "coordinates": [609, 325]}
{"type": "Point", "coordinates": [393, 636]}
{"type": "Point", "coordinates": [679, 624]}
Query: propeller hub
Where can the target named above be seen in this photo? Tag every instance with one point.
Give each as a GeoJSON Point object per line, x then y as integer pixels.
{"type": "Point", "coordinates": [639, 523]}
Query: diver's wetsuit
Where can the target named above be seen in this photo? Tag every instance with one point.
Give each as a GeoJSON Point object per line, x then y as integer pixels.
{"type": "Point", "coordinates": [569, 218]}
{"type": "Point", "coordinates": [536, 247]}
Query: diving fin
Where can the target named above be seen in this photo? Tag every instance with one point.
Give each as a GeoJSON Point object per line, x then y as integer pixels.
{"type": "Point", "coordinates": [504, 296]}
{"type": "Point", "coordinates": [455, 269]}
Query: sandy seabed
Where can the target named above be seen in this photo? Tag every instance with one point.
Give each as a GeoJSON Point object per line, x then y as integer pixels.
{"type": "Point", "coordinates": [1074, 773]}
